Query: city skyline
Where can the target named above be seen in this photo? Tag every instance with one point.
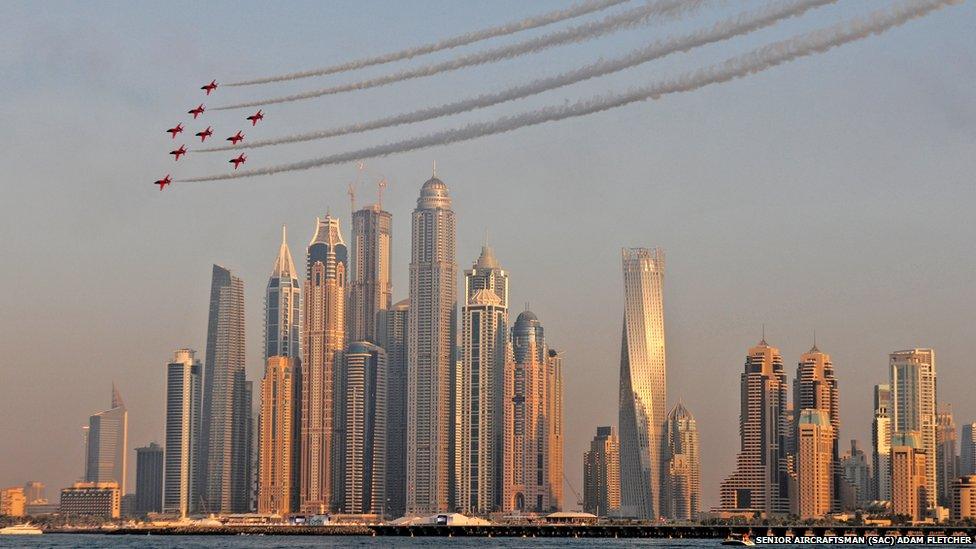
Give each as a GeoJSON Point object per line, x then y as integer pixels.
{"type": "Point", "coordinates": [543, 189]}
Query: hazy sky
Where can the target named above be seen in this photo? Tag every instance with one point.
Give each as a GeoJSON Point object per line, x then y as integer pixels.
{"type": "Point", "coordinates": [833, 194]}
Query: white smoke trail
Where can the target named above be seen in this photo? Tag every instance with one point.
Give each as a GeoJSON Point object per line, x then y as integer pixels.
{"type": "Point", "coordinates": [578, 10]}
{"type": "Point", "coordinates": [741, 24]}
{"type": "Point", "coordinates": [740, 66]}
{"type": "Point", "coordinates": [586, 31]}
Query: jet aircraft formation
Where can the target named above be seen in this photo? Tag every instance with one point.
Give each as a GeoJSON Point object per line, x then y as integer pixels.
{"type": "Point", "coordinates": [205, 133]}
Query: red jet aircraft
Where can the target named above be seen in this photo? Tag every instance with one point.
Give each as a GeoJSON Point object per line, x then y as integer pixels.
{"type": "Point", "coordinates": [163, 182]}
{"type": "Point", "coordinates": [205, 134]}
{"type": "Point", "coordinates": [234, 139]}
{"type": "Point", "coordinates": [179, 152]}
{"type": "Point", "coordinates": [238, 161]}
{"type": "Point", "coordinates": [176, 130]}
{"type": "Point", "coordinates": [197, 111]}
{"type": "Point", "coordinates": [255, 117]}
{"type": "Point", "coordinates": [210, 87]}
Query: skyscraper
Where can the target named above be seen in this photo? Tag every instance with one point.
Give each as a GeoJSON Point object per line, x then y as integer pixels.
{"type": "Point", "coordinates": [967, 450]}
{"type": "Point", "coordinates": [283, 335]}
{"type": "Point", "coordinates": [431, 348]}
{"type": "Point", "coordinates": [324, 334]}
{"type": "Point", "coordinates": [480, 387]}
{"type": "Point", "coordinates": [554, 427]}
{"type": "Point", "coordinates": [223, 452]}
{"type": "Point", "coordinates": [881, 439]}
{"type": "Point", "coordinates": [908, 475]}
{"type": "Point", "coordinates": [814, 442]}
{"type": "Point", "coordinates": [601, 474]}
{"type": "Point", "coordinates": [184, 379]}
{"type": "Point", "coordinates": [363, 401]}
{"type": "Point", "coordinates": [393, 339]}
{"type": "Point", "coordinates": [815, 388]}
{"type": "Point", "coordinates": [282, 306]}
{"type": "Point", "coordinates": [149, 479]}
{"type": "Point", "coordinates": [107, 442]}
{"type": "Point", "coordinates": [643, 389]}
{"type": "Point", "coordinates": [761, 480]}
{"type": "Point", "coordinates": [857, 476]}
{"type": "Point", "coordinates": [682, 463]}
{"type": "Point", "coordinates": [371, 285]}
{"type": "Point", "coordinates": [275, 489]}
{"type": "Point", "coordinates": [913, 407]}
{"type": "Point", "coordinates": [945, 444]}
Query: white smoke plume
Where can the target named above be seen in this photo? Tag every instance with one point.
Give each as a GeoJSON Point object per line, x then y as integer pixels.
{"type": "Point", "coordinates": [586, 31]}
{"type": "Point", "coordinates": [752, 62]}
{"type": "Point", "coordinates": [741, 24]}
{"type": "Point", "coordinates": [578, 10]}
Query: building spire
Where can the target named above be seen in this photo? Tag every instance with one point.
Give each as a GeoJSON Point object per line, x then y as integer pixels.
{"type": "Point", "coordinates": [762, 342]}
{"type": "Point", "coordinates": [433, 169]}
{"type": "Point", "coordinates": [116, 397]}
{"type": "Point", "coordinates": [284, 265]}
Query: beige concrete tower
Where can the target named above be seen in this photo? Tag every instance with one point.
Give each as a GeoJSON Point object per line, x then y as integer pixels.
{"type": "Point", "coordinates": [814, 446]}
{"type": "Point", "coordinates": [554, 428]}
{"type": "Point", "coordinates": [276, 444]}
{"type": "Point", "coordinates": [761, 480]}
{"type": "Point", "coordinates": [913, 407]}
{"type": "Point", "coordinates": [908, 475]}
{"type": "Point", "coordinates": [323, 335]}
{"type": "Point", "coordinates": [643, 387]}
{"type": "Point", "coordinates": [815, 388]}
{"type": "Point", "coordinates": [945, 443]}
{"type": "Point", "coordinates": [431, 352]}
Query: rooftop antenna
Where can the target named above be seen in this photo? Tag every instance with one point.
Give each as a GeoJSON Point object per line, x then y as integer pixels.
{"type": "Point", "coordinates": [351, 191]}
{"type": "Point", "coordinates": [433, 168]}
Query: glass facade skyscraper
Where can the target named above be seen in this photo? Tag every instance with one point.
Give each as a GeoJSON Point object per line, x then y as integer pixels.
{"type": "Point", "coordinates": [643, 390]}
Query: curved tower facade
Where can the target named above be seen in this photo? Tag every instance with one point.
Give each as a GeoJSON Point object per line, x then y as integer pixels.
{"type": "Point", "coordinates": [431, 353]}
{"type": "Point", "coordinates": [643, 392]}
{"type": "Point", "coordinates": [323, 336]}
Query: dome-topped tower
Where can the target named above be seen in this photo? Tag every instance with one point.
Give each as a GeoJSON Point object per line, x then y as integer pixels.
{"type": "Point", "coordinates": [434, 193]}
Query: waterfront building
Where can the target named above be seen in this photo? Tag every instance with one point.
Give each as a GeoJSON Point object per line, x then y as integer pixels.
{"type": "Point", "coordinates": [35, 492]}
{"type": "Point", "coordinates": [361, 406]}
{"type": "Point", "coordinates": [964, 498]}
{"type": "Point", "coordinates": [682, 461]}
{"type": "Point", "coordinates": [913, 407]}
{"type": "Point", "coordinates": [96, 499]}
{"type": "Point", "coordinates": [815, 388]}
{"type": "Point", "coordinates": [184, 384]}
{"type": "Point", "coordinates": [760, 483]}
{"type": "Point", "coordinates": [13, 502]}
{"type": "Point", "coordinates": [323, 337]}
{"type": "Point", "coordinates": [107, 443]}
{"type": "Point", "coordinates": [275, 454]}
{"type": "Point", "coordinates": [601, 474]}
{"type": "Point", "coordinates": [643, 388]}
{"type": "Point", "coordinates": [814, 463]}
{"type": "Point", "coordinates": [431, 352]}
{"type": "Point", "coordinates": [909, 482]}
{"type": "Point", "coordinates": [224, 468]}
{"type": "Point", "coordinates": [393, 340]}
{"type": "Point", "coordinates": [480, 387]}
{"type": "Point", "coordinates": [149, 479]}
{"type": "Point", "coordinates": [554, 425]}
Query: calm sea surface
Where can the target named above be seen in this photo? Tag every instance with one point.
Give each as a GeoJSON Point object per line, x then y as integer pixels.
{"type": "Point", "coordinates": [65, 541]}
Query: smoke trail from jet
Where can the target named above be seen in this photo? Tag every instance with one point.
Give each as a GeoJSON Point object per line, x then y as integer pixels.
{"type": "Point", "coordinates": [583, 8]}
{"type": "Point", "coordinates": [586, 31]}
{"type": "Point", "coordinates": [741, 66]}
{"type": "Point", "coordinates": [741, 24]}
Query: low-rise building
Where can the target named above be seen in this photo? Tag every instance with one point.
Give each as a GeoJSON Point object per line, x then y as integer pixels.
{"type": "Point", "coordinates": [101, 499]}
{"type": "Point", "coordinates": [12, 501]}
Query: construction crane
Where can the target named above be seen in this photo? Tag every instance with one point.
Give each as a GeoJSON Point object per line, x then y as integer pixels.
{"type": "Point", "coordinates": [579, 500]}
{"type": "Point", "coordinates": [380, 185]}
